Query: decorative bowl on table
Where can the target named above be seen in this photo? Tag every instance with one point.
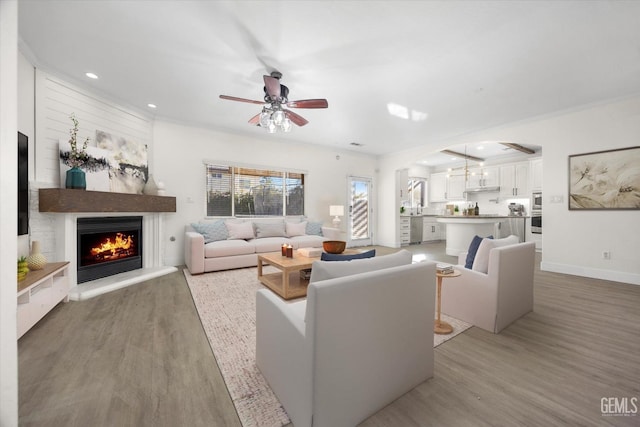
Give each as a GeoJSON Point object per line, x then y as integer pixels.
{"type": "Point", "coordinates": [334, 246]}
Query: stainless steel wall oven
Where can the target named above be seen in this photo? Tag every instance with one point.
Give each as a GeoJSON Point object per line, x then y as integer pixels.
{"type": "Point", "coordinates": [536, 213]}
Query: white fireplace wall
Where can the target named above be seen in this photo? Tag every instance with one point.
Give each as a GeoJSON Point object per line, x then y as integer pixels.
{"type": "Point", "coordinates": [66, 238]}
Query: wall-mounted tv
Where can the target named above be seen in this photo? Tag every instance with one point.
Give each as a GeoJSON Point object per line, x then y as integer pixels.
{"type": "Point", "coordinates": [23, 184]}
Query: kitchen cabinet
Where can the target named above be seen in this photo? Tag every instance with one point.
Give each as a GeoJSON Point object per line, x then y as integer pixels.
{"type": "Point", "coordinates": [484, 177]}
{"type": "Point", "coordinates": [438, 187]}
{"type": "Point", "coordinates": [456, 186]}
{"type": "Point", "coordinates": [514, 180]}
{"type": "Point", "coordinates": [405, 230]}
{"type": "Point", "coordinates": [536, 174]}
{"type": "Point", "coordinates": [402, 183]}
{"type": "Point", "coordinates": [430, 230]}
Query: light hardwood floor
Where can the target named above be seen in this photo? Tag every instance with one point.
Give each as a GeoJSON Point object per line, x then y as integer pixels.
{"type": "Point", "coordinates": [139, 357]}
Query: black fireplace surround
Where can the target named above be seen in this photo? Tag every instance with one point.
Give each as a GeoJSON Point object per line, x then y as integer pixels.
{"type": "Point", "coordinates": [108, 246]}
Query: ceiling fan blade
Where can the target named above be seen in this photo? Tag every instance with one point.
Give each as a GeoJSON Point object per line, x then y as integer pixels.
{"type": "Point", "coordinates": [235, 98]}
{"type": "Point", "coordinates": [273, 86]}
{"type": "Point", "coordinates": [296, 118]}
{"type": "Point", "coordinates": [308, 103]}
{"type": "Point", "coordinates": [255, 120]}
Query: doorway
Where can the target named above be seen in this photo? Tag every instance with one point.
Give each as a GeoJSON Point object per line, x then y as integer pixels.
{"type": "Point", "coordinates": [360, 211]}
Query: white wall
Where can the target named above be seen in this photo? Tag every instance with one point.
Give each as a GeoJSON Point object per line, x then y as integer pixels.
{"type": "Point", "coordinates": [573, 240]}
{"type": "Point", "coordinates": [55, 100]}
{"type": "Point", "coordinates": [179, 152]}
{"type": "Point", "coordinates": [8, 212]}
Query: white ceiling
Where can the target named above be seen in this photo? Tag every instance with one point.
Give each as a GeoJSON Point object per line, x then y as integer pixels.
{"type": "Point", "coordinates": [467, 65]}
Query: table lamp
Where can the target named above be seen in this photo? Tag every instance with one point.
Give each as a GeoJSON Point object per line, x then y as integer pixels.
{"type": "Point", "coordinates": [336, 211]}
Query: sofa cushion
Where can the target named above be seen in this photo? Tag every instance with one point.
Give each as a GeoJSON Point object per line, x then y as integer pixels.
{"type": "Point", "coordinates": [347, 257]}
{"type": "Point", "coordinates": [324, 270]}
{"type": "Point", "coordinates": [239, 230]}
{"type": "Point", "coordinates": [269, 229]}
{"type": "Point", "coordinates": [314, 228]}
{"type": "Point", "coordinates": [473, 249]}
{"type": "Point", "coordinates": [296, 228]}
{"type": "Point", "coordinates": [212, 231]}
{"type": "Point", "coordinates": [481, 262]}
{"type": "Point", "coordinates": [224, 248]}
{"type": "Point", "coordinates": [306, 241]}
{"type": "Point", "coordinates": [269, 244]}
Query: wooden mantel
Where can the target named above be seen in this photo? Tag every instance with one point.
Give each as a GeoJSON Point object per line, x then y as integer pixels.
{"type": "Point", "coordinates": [67, 200]}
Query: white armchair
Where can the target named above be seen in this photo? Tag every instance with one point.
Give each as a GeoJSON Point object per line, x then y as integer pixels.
{"type": "Point", "coordinates": [494, 300]}
{"type": "Point", "coordinates": [356, 344]}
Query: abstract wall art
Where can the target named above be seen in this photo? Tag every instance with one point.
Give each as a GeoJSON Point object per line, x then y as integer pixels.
{"type": "Point", "coordinates": [605, 180]}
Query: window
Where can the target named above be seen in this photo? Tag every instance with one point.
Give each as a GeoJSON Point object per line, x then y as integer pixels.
{"type": "Point", "coordinates": [238, 191]}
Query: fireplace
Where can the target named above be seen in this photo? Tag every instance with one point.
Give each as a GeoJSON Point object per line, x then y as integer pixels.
{"type": "Point", "coordinates": [108, 246]}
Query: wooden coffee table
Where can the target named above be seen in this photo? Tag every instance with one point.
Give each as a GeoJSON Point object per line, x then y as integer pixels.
{"type": "Point", "coordinates": [285, 283]}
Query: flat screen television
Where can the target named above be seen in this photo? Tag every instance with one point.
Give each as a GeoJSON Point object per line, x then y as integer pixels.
{"type": "Point", "coordinates": [23, 184]}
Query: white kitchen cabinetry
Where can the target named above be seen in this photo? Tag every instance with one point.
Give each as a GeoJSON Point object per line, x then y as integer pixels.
{"type": "Point", "coordinates": [39, 292]}
{"type": "Point", "coordinates": [456, 186]}
{"type": "Point", "coordinates": [402, 184]}
{"type": "Point", "coordinates": [484, 177]}
{"type": "Point", "coordinates": [536, 174]}
{"type": "Point", "coordinates": [514, 180]}
{"type": "Point", "coordinates": [430, 230]}
{"type": "Point", "coordinates": [438, 187]}
{"type": "Point", "coordinates": [405, 230]}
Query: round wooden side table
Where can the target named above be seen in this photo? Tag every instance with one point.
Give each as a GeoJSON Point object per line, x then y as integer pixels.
{"type": "Point", "coordinates": [440, 327]}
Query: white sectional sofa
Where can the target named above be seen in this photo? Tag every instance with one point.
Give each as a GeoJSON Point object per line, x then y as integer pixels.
{"type": "Point", "coordinates": [222, 244]}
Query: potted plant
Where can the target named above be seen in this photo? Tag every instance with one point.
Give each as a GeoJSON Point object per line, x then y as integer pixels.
{"type": "Point", "coordinates": [76, 159]}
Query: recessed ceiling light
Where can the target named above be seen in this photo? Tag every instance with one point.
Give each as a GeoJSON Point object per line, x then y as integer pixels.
{"type": "Point", "coordinates": [91, 75]}
{"type": "Point", "coordinates": [356, 144]}
{"type": "Point", "coordinates": [152, 106]}
{"type": "Point", "coordinates": [480, 147]}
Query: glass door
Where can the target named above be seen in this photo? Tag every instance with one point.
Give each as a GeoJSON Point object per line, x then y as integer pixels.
{"type": "Point", "coordinates": [360, 211]}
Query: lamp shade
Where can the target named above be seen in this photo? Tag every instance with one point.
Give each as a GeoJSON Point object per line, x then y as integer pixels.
{"type": "Point", "coordinates": [336, 210]}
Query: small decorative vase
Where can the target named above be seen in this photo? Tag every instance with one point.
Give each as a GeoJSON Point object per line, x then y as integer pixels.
{"type": "Point", "coordinates": [150, 187]}
{"type": "Point", "coordinates": [76, 179]}
{"type": "Point", "coordinates": [36, 261]}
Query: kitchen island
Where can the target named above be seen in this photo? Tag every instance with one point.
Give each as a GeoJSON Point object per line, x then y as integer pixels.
{"type": "Point", "coordinates": [462, 229]}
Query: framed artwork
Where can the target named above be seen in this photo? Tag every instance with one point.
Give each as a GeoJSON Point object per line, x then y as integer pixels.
{"type": "Point", "coordinates": [605, 180]}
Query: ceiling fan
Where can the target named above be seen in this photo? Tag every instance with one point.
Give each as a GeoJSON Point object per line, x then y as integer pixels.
{"type": "Point", "coordinates": [274, 116]}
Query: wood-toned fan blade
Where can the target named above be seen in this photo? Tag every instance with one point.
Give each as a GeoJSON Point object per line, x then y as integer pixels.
{"type": "Point", "coordinates": [296, 118]}
{"type": "Point", "coordinates": [273, 86]}
{"type": "Point", "coordinates": [235, 98]}
{"type": "Point", "coordinates": [255, 120]}
{"type": "Point", "coordinates": [308, 103]}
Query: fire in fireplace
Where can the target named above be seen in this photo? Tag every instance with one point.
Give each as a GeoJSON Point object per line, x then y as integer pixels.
{"type": "Point", "coordinates": [108, 246]}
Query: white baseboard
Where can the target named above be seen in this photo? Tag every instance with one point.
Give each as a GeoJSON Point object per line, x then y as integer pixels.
{"type": "Point", "coordinates": [594, 273]}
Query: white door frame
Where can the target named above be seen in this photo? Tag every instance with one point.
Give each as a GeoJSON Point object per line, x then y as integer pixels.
{"type": "Point", "coordinates": [368, 240]}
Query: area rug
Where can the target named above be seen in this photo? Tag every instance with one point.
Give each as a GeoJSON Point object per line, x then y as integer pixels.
{"type": "Point", "coordinates": [226, 305]}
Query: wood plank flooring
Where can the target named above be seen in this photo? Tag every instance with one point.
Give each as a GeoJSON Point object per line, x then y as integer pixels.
{"type": "Point", "coordinates": [139, 357]}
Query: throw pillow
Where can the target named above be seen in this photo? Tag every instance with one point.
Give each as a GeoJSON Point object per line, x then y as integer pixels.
{"type": "Point", "coordinates": [270, 229]}
{"type": "Point", "coordinates": [212, 231]}
{"type": "Point", "coordinates": [324, 270]}
{"type": "Point", "coordinates": [481, 262]}
{"type": "Point", "coordinates": [347, 257]}
{"type": "Point", "coordinates": [314, 228]}
{"type": "Point", "coordinates": [239, 230]}
{"type": "Point", "coordinates": [473, 248]}
{"type": "Point", "coordinates": [296, 228]}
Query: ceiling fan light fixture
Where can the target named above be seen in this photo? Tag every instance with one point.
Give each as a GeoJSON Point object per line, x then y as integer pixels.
{"type": "Point", "coordinates": [286, 125]}
{"type": "Point", "coordinates": [278, 117]}
{"type": "Point", "coordinates": [271, 127]}
{"type": "Point", "coordinates": [265, 117]}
